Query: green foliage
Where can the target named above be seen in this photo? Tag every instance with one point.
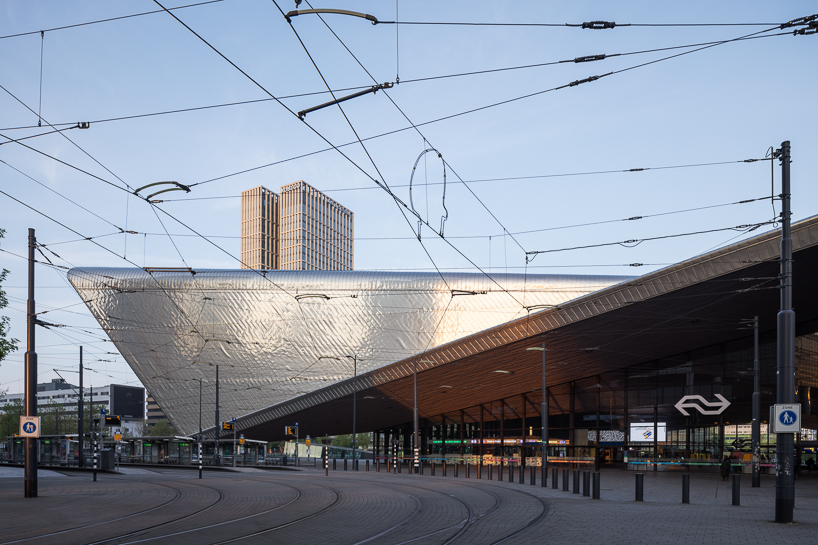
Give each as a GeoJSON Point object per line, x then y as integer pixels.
{"type": "Point", "coordinates": [364, 441]}
{"type": "Point", "coordinates": [10, 419]}
{"type": "Point", "coordinates": [6, 345]}
{"type": "Point", "coordinates": [162, 428]}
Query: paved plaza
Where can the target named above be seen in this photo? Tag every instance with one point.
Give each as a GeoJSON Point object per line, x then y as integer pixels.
{"type": "Point", "coordinates": [171, 505]}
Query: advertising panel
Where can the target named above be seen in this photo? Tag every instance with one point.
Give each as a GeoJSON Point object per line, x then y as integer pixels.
{"type": "Point", "coordinates": [644, 433]}
{"type": "Point", "coordinates": [128, 402]}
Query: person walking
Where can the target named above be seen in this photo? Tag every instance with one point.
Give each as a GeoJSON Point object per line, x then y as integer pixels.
{"type": "Point", "coordinates": [725, 468]}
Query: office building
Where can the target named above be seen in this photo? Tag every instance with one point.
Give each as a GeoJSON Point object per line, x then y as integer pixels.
{"type": "Point", "coordinates": [57, 404]}
{"type": "Point", "coordinates": [316, 231]}
{"type": "Point", "coordinates": [301, 230]}
{"type": "Point", "coordinates": [259, 229]}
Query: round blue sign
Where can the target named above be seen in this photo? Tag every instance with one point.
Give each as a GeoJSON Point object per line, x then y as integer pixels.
{"type": "Point", "coordinates": [29, 427]}
{"type": "Point", "coordinates": [788, 418]}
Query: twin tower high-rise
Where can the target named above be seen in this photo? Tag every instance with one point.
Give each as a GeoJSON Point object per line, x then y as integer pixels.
{"type": "Point", "coordinates": [300, 229]}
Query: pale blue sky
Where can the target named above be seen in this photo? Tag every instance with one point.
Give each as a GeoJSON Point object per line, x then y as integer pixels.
{"type": "Point", "coordinates": [726, 103]}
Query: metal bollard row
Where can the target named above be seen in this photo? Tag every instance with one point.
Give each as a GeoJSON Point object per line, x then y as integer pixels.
{"type": "Point", "coordinates": [586, 483]}
{"type": "Point", "coordinates": [554, 474]}
{"type": "Point", "coordinates": [640, 486]}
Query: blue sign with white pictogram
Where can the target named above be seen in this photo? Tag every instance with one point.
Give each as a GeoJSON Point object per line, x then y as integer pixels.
{"type": "Point", "coordinates": [29, 426]}
{"type": "Point", "coordinates": [786, 418]}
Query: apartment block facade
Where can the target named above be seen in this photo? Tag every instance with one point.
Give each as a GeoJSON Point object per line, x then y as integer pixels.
{"type": "Point", "coordinates": [302, 229]}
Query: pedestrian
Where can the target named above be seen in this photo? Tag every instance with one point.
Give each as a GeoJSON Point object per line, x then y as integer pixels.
{"type": "Point", "coordinates": [725, 468]}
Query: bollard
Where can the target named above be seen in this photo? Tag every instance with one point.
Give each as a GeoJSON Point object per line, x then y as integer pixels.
{"type": "Point", "coordinates": [686, 488]}
{"type": "Point", "coordinates": [377, 466]}
{"type": "Point", "coordinates": [444, 468]}
{"type": "Point", "coordinates": [596, 484]}
{"type": "Point", "coordinates": [500, 471]}
{"type": "Point", "coordinates": [522, 475]}
{"type": "Point", "coordinates": [586, 483]}
{"type": "Point", "coordinates": [736, 489]}
{"type": "Point", "coordinates": [640, 486]}
{"type": "Point", "coordinates": [367, 465]}
{"type": "Point", "coordinates": [565, 479]}
{"type": "Point", "coordinates": [456, 469]}
{"type": "Point", "coordinates": [399, 463]}
{"type": "Point", "coordinates": [345, 464]}
{"type": "Point", "coordinates": [421, 467]}
{"type": "Point", "coordinates": [468, 470]}
{"type": "Point", "coordinates": [480, 469]}
{"type": "Point", "coordinates": [534, 475]}
{"type": "Point", "coordinates": [576, 481]}
{"type": "Point", "coordinates": [510, 473]}
{"type": "Point", "coordinates": [433, 468]}
{"type": "Point", "coordinates": [554, 474]}
{"type": "Point", "coordinates": [491, 470]}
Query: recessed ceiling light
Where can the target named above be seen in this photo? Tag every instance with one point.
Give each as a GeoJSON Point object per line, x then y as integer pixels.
{"type": "Point", "coordinates": [503, 372]}
{"type": "Point", "coordinates": [446, 387]}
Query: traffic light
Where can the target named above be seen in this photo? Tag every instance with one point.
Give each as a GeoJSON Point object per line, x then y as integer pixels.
{"type": "Point", "coordinates": [227, 425]}
{"type": "Point", "coordinates": [113, 421]}
{"type": "Point", "coordinates": [291, 430]}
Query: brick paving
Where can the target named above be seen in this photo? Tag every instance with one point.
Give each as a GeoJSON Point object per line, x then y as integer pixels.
{"type": "Point", "coordinates": [161, 505]}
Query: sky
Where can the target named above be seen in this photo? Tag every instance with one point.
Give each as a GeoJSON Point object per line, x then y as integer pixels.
{"type": "Point", "coordinates": [531, 162]}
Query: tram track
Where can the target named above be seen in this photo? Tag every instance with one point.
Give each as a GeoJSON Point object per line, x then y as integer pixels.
{"type": "Point", "coordinates": [110, 521]}
{"type": "Point", "coordinates": [246, 517]}
{"type": "Point", "coordinates": [466, 524]}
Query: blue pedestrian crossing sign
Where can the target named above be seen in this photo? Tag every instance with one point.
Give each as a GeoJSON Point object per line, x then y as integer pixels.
{"type": "Point", "coordinates": [29, 426]}
{"type": "Point", "coordinates": [786, 418]}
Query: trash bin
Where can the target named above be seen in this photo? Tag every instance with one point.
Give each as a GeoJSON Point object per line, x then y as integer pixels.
{"type": "Point", "coordinates": [106, 458]}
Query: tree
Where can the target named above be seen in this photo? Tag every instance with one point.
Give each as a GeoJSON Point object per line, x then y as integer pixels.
{"type": "Point", "coordinates": [163, 428]}
{"type": "Point", "coordinates": [6, 345]}
{"type": "Point", "coordinates": [10, 419]}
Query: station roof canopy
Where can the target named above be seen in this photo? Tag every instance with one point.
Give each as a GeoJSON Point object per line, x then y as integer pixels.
{"type": "Point", "coordinates": [676, 309]}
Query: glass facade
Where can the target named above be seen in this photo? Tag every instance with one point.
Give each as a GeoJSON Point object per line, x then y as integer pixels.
{"type": "Point", "coordinates": [629, 417]}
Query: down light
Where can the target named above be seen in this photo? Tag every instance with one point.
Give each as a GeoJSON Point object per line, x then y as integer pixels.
{"type": "Point", "coordinates": [503, 372]}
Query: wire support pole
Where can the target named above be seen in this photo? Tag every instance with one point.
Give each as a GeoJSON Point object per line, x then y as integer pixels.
{"type": "Point", "coordinates": [756, 439]}
{"type": "Point", "coordinates": [31, 374]}
{"type": "Point", "coordinates": [93, 434]}
{"type": "Point", "coordinates": [81, 421]}
{"type": "Point", "coordinates": [544, 412]}
{"type": "Point", "coordinates": [785, 356]}
{"type": "Point", "coordinates": [200, 428]}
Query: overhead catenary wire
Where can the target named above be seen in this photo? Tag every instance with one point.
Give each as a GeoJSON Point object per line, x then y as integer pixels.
{"type": "Point", "coordinates": [635, 242]}
{"type": "Point", "coordinates": [422, 136]}
{"type": "Point", "coordinates": [105, 20]}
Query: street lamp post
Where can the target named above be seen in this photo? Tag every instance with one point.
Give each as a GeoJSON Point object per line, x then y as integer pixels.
{"type": "Point", "coordinates": [216, 457]}
{"type": "Point", "coordinates": [354, 359]}
{"type": "Point", "coordinates": [544, 412]}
